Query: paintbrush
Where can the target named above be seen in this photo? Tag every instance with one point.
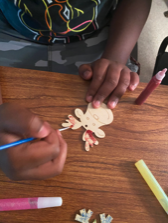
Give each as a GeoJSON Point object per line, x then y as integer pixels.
{"type": "Point", "coordinates": [19, 142]}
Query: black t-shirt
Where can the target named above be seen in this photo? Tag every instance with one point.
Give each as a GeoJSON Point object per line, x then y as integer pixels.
{"type": "Point", "coordinates": [50, 21]}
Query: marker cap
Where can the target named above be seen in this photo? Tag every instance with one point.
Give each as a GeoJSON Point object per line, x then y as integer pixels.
{"type": "Point", "coordinates": [48, 202]}
{"type": "Point", "coordinates": [161, 74]}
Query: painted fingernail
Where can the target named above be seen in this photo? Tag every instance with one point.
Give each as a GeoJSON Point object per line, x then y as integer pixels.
{"type": "Point", "coordinates": [43, 132]}
{"type": "Point", "coordinates": [89, 98]}
{"type": "Point", "coordinates": [96, 104]}
{"type": "Point", "coordinates": [112, 104]}
{"type": "Point", "coordinates": [86, 74]}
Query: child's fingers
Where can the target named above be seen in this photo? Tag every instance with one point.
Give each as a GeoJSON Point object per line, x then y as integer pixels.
{"type": "Point", "coordinates": [41, 172]}
{"type": "Point", "coordinates": [121, 88]}
{"type": "Point", "coordinates": [85, 71]}
{"type": "Point", "coordinates": [99, 74]}
{"type": "Point", "coordinates": [109, 84]}
{"type": "Point", "coordinates": [17, 122]}
{"type": "Point", "coordinates": [134, 81]}
{"type": "Point", "coordinates": [41, 152]}
{"type": "Point", "coordinates": [7, 137]}
{"type": "Point", "coordinates": [60, 160]}
{"type": "Point", "coordinates": [55, 149]}
{"type": "Point", "coordinates": [49, 169]}
{"type": "Point", "coordinates": [33, 154]}
{"type": "Point", "coordinates": [20, 121]}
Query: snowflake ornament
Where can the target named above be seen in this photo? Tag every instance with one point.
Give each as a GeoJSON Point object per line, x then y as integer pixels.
{"type": "Point", "coordinates": [84, 217]}
{"type": "Point", "coordinates": [105, 219]}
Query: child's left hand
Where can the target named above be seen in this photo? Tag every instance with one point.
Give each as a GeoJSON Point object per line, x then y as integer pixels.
{"type": "Point", "coordinates": [109, 78]}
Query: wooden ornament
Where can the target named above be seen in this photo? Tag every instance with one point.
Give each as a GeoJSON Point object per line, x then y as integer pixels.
{"type": "Point", "coordinates": [84, 217]}
{"type": "Point", "coordinates": [91, 120]}
{"type": "Point", "coordinates": [104, 219]}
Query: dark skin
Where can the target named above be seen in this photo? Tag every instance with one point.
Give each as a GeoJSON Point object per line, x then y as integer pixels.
{"type": "Point", "coordinates": [109, 76]}
{"type": "Point", "coordinates": [40, 159]}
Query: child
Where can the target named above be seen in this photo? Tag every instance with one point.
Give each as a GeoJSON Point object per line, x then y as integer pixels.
{"type": "Point", "coordinates": [64, 21]}
{"type": "Point", "coordinates": [51, 21]}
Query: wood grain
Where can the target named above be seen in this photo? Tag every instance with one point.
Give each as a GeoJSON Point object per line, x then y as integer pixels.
{"type": "Point", "coordinates": [104, 179]}
{"type": "Point", "coordinates": [0, 96]}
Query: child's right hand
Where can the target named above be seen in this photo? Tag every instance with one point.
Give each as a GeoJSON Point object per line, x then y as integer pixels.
{"type": "Point", "coordinates": [34, 160]}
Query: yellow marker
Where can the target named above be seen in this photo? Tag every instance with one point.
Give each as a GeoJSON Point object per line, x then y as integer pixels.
{"type": "Point", "coordinates": [153, 184]}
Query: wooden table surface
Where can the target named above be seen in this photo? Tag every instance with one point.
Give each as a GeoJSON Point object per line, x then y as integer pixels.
{"type": "Point", "coordinates": [104, 179]}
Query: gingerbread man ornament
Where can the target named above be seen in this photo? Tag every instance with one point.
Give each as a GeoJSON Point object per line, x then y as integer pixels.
{"type": "Point", "coordinates": [92, 120]}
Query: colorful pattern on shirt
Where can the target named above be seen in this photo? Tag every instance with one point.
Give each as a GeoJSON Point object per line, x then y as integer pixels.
{"type": "Point", "coordinates": [49, 21]}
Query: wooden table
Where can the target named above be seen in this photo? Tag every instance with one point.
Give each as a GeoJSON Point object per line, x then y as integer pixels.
{"type": "Point", "coordinates": [105, 179]}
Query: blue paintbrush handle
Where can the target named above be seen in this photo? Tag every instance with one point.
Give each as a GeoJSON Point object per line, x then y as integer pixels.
{"type": "Point", "coordinates": [16, 143]}
{"type": "Point", "coordinates": [23, 141]}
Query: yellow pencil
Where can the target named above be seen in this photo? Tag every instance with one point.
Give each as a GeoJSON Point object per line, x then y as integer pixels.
{"type": "Point", "coordinates": [153, 184]}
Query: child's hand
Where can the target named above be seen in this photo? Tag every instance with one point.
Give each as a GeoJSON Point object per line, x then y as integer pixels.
{"type": "Point", "coordinates": [34, 160]}
{"type": "Point", "coordinates": [109, 78]}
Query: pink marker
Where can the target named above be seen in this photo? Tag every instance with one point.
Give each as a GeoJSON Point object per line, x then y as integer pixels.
{"type": "Point", "coordinates": [29, 203]}
{"type": "Point", "coordinates": [154, 82]}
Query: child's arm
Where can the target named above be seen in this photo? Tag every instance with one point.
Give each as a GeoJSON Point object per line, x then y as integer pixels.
{"type": "Point", "coordinates": [34, 160]}
{"type": "Point", "coordinates": [109, 74]}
